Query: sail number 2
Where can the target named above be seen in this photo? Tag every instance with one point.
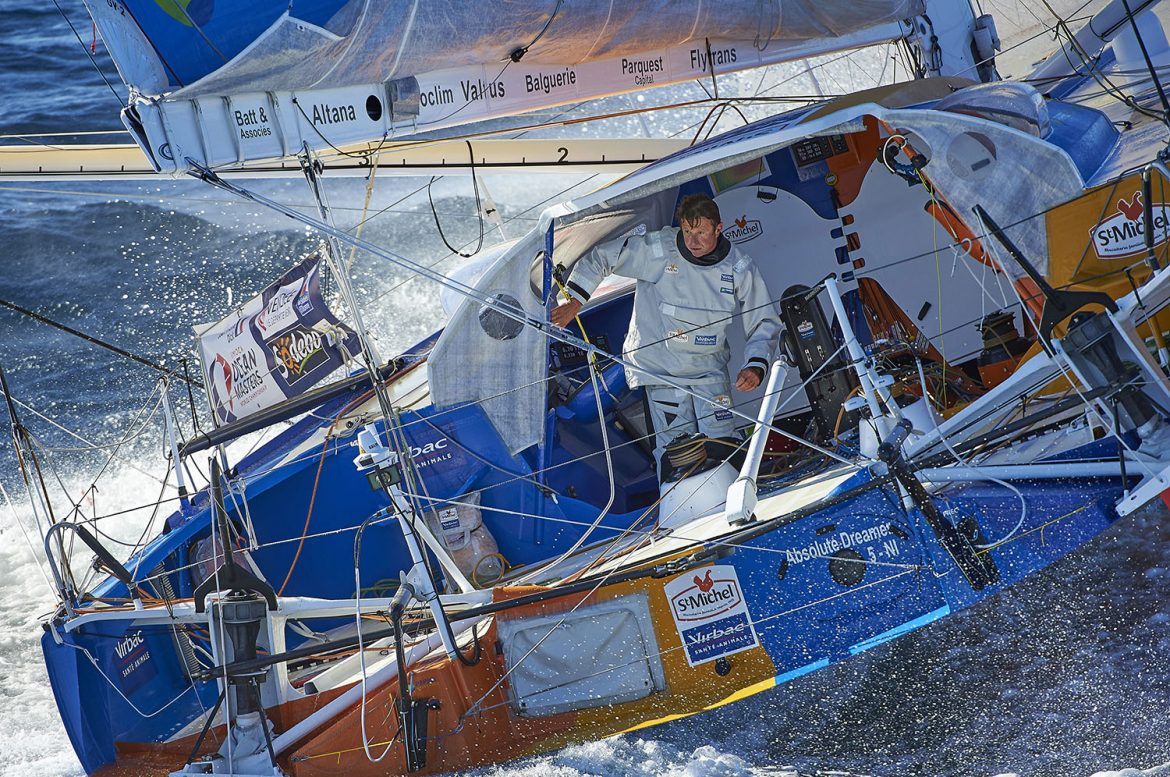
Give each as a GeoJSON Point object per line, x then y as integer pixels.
{"type": "Point", "coordinates": [116, 7]}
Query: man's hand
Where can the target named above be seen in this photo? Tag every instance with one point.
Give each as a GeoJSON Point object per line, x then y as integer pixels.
{"type": "Point", "coordinates": [747, 379]}
{"type": "Point", "coordinates": [564, 313]}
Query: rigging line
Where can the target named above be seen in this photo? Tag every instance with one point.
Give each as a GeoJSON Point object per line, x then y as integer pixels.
{"type": "Point", "coordinates": [1090, 63]}
{"type": "Point", "coordinates": [73, 434]}
{"type": "Point", "coordinates": [140, 544]}
{"type": "Point", "coordinates": [89, 54]}
{"type": "Point", "coordinates": [161, 198]}
{"type": "Point", "coordinates": [1149, 64]}
{"type": "Point", "coordinates": [802, 73]}
{"type": "Point", "coordinates": [509, 220]}
{"type": "Point", "coordinates": [117, 689]}
{"type": "Point", "coordinates": [313, 493]}
{"type": "Point", "coordinates": [641, 534]}
{"type": "Point", "coordinates": [1063, 365]}
{"type": "Point", "coordinates": [615, 552]}
{"type": "Point", "coordinates": [518, 54]}
{"type": "Point", "coordinates": [109, 459]}
{"type": "Point", "coordinates": [94, 340]}
{"type": "Point", "coordinates": [361, 650]}
{"type": "Point", "coordinates": [714, 541]}
{"type": "Point", "coordinates": [365, 209]}
{"type": "Point", "coordinates": [80, 133]}
{"type": "Point", "coordinates": [803, 484]}
{"type": "Point", "coordinates": [514, 477]}
{"type": "Point", "coordinates": [478, 210]}
{"type": "Point", "coordinates": [961, 462]}
{"type": "Point", "coordinates": [93, 448]}
{"type": "Point", "coordinates": [182, 8]}
{"type": "Point", "coordinates": [365, 156]}
{"type": "Point", "coordinates": [604, 427]}
{"type": "Point", "coordinates": [36, 557]}
{"type": "Point", "coordinates": [130, 509]}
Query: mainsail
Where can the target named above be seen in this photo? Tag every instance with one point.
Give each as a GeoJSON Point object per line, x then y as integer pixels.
{"type": "Point", "coordinates": [220, 82]}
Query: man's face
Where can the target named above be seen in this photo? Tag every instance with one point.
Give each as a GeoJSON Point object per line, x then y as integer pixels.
{"type": "Point", "coordinates": [701, 236]}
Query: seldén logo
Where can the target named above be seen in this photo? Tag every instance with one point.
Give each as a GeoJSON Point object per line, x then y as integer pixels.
{"type": "Point", "coordinates": [743, 230]}
{"type": "Point", "coordinates": [1124, 232]}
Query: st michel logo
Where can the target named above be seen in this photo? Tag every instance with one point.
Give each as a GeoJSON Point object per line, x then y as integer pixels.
{"type": "Point", "coordinates": [743, 229]}
{"type": "Point", "coordinates": [1124, 231]}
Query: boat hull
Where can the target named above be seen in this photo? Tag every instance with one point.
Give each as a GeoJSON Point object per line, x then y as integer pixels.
{"type": "Point", "coordinates": [817, 591]}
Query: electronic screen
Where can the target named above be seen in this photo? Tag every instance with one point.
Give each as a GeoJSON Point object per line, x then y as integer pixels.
{"type": "Point", "coordinates": [812, 150]}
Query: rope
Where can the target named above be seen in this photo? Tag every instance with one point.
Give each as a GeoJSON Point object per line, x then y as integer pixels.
{"type": "Point", "coordinates": [89, 52]}
{"type": "Point", "coordinates": [95, 341]}
{"type": "Point", "coordinates": [313, 493]}
{"type": "Point", "coordinates": [478, 210]}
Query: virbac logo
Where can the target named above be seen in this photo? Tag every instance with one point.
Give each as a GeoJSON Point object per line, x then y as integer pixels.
{"type": "Point", "coordinates": [127, 644]}
{"type": "Point", "coordinates": [429, 448]}
{"type": "Point", "coordinates": [707, 598]}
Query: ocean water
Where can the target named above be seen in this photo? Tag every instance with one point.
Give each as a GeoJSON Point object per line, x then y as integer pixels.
{"type": "Point", "coordinates": [1065, 675]}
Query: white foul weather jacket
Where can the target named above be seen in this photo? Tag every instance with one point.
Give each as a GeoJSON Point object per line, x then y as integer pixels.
{"type": "Point", "coordinates": [682, 309]}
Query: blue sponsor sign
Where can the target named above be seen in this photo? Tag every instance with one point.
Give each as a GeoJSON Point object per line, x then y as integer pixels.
{"type": "Point", "coordinates": [718, 638]}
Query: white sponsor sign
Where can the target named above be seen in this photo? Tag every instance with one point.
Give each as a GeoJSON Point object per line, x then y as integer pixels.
{"type": "Point", "coordinates": [710, 614]}
{"type": "Point", "coordinates": [1124, 232]}
{"type": "Point", "coordinates": [275, 346]}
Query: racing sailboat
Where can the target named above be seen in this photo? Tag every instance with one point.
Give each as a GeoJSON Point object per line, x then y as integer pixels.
{"type": "Point", "coordinates": [972, 384]}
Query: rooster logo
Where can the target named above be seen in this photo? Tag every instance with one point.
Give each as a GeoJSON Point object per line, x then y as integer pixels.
{"type": "Point", "coordinates": [704, 583]}
{"type": "Point", "coordinates": [1133, 209]}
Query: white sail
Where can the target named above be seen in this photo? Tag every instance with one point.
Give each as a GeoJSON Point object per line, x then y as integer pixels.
{"type": "Point", "coordinates": [217, 84]}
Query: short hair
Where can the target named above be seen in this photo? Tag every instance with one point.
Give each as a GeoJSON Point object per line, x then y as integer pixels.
{"type": "Point", "coordinates": [697, 206]}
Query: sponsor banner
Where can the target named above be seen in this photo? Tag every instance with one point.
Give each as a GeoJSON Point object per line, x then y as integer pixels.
{"type": "Point", "coordinates": [1091, 236]}
{"type": "Point", "coordinates": [275, 346]}
{"type": "Point", "coordinates": [133, 664]}
{"type": "Point", "coordinates": [480, 91]}
{"type": "Point", "coordinates": [742, 229]}
{"type": "Point", "coordinates": [1123, 232]}
{"type": "Point", "coordinates": [710, 614]}
{"type": "Point", "coordinates": [745, 216]}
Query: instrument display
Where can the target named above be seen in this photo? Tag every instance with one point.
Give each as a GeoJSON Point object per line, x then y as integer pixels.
{"type": "Point", "coordinates": [812, 150]}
